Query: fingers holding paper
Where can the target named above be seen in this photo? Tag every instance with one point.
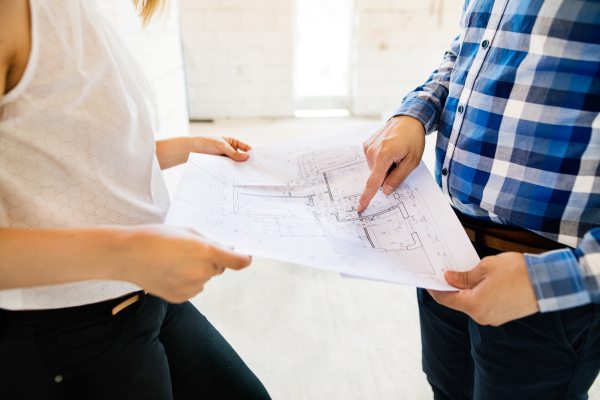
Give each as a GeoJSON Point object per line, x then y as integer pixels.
{"type": "Point", "coordinates": [222, 146]}
{"type": "Point", "coordinates": [175, 263]}
{"type": "Point", "coordinates": [496, 291]}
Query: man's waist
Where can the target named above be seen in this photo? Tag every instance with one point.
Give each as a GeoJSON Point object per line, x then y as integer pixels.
{"type": "Point", "coordinates": [505, 237]}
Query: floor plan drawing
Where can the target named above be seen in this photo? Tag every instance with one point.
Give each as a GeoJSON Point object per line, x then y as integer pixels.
{"type": "Point", "coordinates": [322, 202]}
{"type": "Point", "coordinates": [299, 204]}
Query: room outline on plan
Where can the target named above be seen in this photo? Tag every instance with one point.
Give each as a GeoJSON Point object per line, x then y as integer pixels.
{"type": "Point", "coordinates": [322, 201]}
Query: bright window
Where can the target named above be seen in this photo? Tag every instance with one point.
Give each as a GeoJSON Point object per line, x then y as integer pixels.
{"type": "Point", "coordinates": [322, 53]}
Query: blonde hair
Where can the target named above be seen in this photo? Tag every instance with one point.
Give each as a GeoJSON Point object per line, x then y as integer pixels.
{"type": "Point", "coordinates": [148, 8]}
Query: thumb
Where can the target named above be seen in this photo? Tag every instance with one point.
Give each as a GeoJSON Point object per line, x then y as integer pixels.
{"type": "Point", "coordinates": [397, 176]}
{"type": "Point", "coordinates": [464, 280]}
{"type": "Point", "coordinates": [233, 154]}
{"type": "Point", "coordinates": [229, 258]}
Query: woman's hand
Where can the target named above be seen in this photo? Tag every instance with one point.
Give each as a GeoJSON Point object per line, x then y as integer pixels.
{"type": "Point", "coordinates": [220, 146]}
{"type": "Point", "coordinates": [172, 152]}
{"type": "Point", "coordinates": [170, 262]}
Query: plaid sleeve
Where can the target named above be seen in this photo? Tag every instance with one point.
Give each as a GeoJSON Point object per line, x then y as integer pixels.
{"type": "Point", "coordinates": [567, 278]}
{"type": "Point", "coordinates": [426, 102]}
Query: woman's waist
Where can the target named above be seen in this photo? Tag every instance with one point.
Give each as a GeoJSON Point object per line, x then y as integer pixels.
{"type": "Point", "coordinates": [63, 296]}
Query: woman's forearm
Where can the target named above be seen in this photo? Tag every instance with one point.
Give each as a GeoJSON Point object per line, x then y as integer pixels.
{"type": "Point", "coordinates": [171, 262]}
{"type": "Point", "coordinates": [172, 152]}
{"type": "Point", "coordinates": [33, 257]}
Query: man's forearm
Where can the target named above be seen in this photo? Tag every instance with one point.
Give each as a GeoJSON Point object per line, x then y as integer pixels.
{"type": "Point", "coordinates": [34, 257]}
{"type": "Point", "coordinates": [567, 278]}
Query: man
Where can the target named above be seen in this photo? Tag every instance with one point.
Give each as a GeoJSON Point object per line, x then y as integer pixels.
{"type": "Point", "coordinates": [516, 104]}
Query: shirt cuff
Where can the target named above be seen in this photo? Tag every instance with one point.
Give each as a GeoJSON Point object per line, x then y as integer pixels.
{"type": "Point", "coordinates": [420, 109]}
{"type": "Point", "coordinates": [557, 280]}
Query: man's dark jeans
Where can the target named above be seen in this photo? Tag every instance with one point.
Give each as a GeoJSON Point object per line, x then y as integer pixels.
{"type": "Point", "coordinates": [544, 356]}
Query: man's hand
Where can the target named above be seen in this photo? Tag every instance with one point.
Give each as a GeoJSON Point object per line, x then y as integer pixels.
{"type": "Point", "coordinates": [173, 263]}
{"type": "Point", "coordinates": [402, 142]}
{"type": "Point", "coordinates": [496, 291]}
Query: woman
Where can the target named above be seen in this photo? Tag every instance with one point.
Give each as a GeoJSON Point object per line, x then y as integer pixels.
{"type": "Point", "coordinates": [80, 187]}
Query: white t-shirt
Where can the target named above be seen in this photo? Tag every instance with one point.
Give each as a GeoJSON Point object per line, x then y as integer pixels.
{"type": "Point", "coordinates": [76, 142]}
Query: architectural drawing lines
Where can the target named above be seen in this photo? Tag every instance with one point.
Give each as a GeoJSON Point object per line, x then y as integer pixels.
{"type": "Point", "coordinates": [322, 202]}
{"type": "Point", "coordinates": [296, 201]}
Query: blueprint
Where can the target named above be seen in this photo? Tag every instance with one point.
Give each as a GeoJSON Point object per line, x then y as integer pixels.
{"type": "Point", "coordinates": [296, 201]}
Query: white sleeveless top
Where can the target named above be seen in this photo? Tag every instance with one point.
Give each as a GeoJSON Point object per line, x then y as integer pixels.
{"type": "Point", "coordinates": [76, 142]}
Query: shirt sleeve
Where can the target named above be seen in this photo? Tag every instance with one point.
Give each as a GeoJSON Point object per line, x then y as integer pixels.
{"type": "Point", "coordinates": [427, 101]}
{"type": "Point", "coordinates": [567, 278]}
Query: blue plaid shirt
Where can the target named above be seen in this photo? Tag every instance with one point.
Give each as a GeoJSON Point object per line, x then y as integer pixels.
{"type": "Point", "coordinates": [516, 103]}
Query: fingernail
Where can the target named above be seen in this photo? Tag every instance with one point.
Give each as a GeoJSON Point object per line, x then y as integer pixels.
{"type": "Point", "coordinates": [454, 275]}
{"type": "Point", "coordinates": [388, 189]}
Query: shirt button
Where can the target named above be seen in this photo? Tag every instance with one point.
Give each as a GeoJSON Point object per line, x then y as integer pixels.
{"type": "Point", "coordinates": [444, 171]}
{"type": "Point", "coordinates": [485, 44]}
{"type": "Point", "coordinates": [461, 109]}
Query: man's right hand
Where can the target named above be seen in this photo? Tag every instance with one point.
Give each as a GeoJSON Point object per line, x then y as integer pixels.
{"type": "Point", "coordinates": [173, 263]}
{"type": "Point", "coordinates": [402, 142]}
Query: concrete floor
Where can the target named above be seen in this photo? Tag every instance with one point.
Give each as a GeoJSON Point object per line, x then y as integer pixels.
{"type": "Point", "coordinates": [308, 333]}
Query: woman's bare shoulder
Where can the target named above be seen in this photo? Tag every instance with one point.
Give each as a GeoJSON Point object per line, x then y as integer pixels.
{"type": "Point", "coordinates": [15, 42]}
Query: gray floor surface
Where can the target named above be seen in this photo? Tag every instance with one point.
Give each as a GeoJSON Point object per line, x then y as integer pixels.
{"type": "Point", "coordinates": [307, 333]}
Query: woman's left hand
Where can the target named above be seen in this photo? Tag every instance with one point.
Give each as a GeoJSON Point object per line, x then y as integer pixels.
{"type": "Point", "coordinates": [172, 152]}
{"type": "Point", "coordinates": [220, 146]}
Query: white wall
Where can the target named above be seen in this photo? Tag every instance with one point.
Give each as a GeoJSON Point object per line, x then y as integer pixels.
{"type": "Point", "coordinates": [158, 50]}
{"type": "Point", "coordinates": [399, 43]}
{"type": "Point", "coordinates": [239, 54]}
{"type": "Point", "coordinates": [238, 57]}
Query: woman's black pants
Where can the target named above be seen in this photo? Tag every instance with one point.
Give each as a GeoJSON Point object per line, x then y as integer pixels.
{"type": "Point", "coordinates": [150, 350]}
